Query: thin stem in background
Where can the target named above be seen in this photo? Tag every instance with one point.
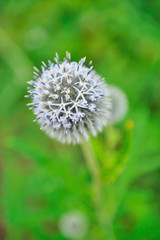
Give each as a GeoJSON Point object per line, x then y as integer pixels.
{"type": "Point", "coordinates": [94, 170]}
{"type": "Point", "coordinates": [93, 167]}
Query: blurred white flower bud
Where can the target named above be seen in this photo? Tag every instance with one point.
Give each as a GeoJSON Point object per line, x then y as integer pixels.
{"type": "Point", "coordinates": [73, 225]}
{"type": "Point", "coordinates": [119, 104]}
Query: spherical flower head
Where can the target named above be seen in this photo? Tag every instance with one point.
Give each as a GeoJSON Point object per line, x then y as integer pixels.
{"type": "Point", "coordinates": [73, 225]}
{"type": "Point", "coordinates": [119, 104]}
{"type": "Point", "coordinates": [70, 100]}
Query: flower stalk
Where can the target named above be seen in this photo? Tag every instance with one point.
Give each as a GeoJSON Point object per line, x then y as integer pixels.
{"type": "Point", "coordinates": [94, 170]}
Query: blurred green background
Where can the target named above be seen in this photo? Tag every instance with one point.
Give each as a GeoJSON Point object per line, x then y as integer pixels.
{"type": "Point", "coordinates": [41, 179]}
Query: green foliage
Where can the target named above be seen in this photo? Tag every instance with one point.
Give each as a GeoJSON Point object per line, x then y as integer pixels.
{"type": "Point", "coordinates": [42, 179]}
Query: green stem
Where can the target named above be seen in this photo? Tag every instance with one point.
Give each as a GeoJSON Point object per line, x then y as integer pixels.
{"type": "Point", "coordinates": [93, 167]}
{"type": "Point", "coordinates": [94, 170]}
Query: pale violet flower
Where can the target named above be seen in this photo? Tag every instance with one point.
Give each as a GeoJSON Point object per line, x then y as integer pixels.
{"type": "Point", "coordinates": [70, 100]}
{"type": "Point", "coordinates": [74, 225]}
{"type": "Point", "coordinates": [119, 104]}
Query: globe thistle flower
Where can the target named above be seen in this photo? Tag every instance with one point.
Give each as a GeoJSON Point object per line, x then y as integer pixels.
{"type": "Point", "coordinates": [69, 99]}
{"type": "Point", "coordinates": [73, 225]}
{"type": "Point", "coordinates": [119, 104]}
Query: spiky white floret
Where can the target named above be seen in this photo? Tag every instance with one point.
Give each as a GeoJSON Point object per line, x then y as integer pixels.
{"type": "Point", "coordinates": [119, 104]}
{"type": "Point", "coordinates": [70, 100]}
{"type": "Point", "coordinates": [73, 225]}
